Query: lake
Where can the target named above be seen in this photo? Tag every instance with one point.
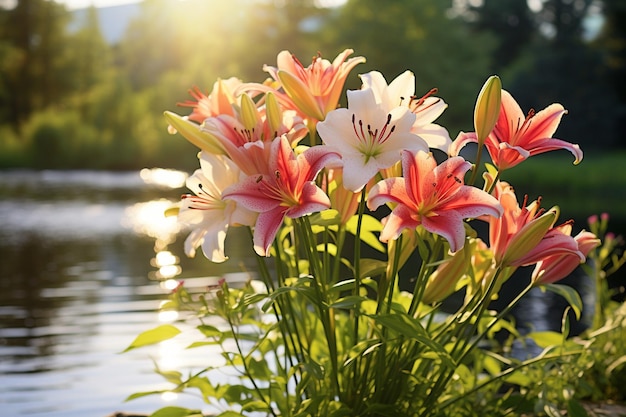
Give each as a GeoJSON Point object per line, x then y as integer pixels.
{"type": "Point", "coordinates": [86, 258]}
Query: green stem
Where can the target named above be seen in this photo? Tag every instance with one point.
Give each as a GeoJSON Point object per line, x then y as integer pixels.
{"type": "Point", "coordinates": [479, 155]}
{"type": "Point", "coordinates": [326, 313]}
{"type": "Point", "coordinates": [247, 370]}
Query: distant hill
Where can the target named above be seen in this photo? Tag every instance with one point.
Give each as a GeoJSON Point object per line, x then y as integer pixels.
{"type": "Point", "coordinates": [113, 20]}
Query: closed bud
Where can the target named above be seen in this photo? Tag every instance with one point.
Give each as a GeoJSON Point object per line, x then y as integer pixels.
{"type": "Point", "coordinates": [249, 113]}
{"type": "Point", "coordinates": [193, 133]}
{"type": "Point", "coordinates": [487, 108]}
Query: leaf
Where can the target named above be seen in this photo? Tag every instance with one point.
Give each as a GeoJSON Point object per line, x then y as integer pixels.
{"type": "Point", "coordinates": [143, 394]}
{"type": "Point", "coordinates": [372, 267]}
{"type": "Point", "coordinates": [546, 338]}
{"type": "Point", "coordinates": [575, 409]}
{"type": "Point", "coordinates": [156, 335]}
{"type": "Point", "coordinates": [325, 218]}
{"type": "Point", "coordinates": [350, 301]}
{"type": "Point", "coordinates": [411, 328]}
{"type": "Point", "coordinates": [176, 412]}
{"type": "Point", "coordinates": [570, 295]}
{"type": "Point", "coordinates": [369, 225]}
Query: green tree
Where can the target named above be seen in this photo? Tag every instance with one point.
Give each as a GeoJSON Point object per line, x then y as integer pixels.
{"type": "Point", "coordinates": [612, 42]}
{"type": "Point", "coordinates": [510, 20]}
{"type": "Point", "coordinates": [34, 33]}
{"type": "Point", "coordinates": [418, 35]}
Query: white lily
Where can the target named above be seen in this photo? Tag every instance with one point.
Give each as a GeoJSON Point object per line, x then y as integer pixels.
{"type": "Point", "coordinates": [206, 212]}
{"type": "Point", "coordinates": [401, 92]}
{"type": "Point", "coordinates": [369, 136]}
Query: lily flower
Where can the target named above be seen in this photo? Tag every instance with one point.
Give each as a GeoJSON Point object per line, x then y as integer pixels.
{"type": "Point", "coordinates": [206, 212]}
{"type": "Point", "coordinates": [401, 92]}
{"type": "Point", "coordinates": [556, 267]}
{"type": "Point", "coordinates": [433, 196]}
{"type": "Point", "coordinates": [246, 136]}
{"type": "Point", "coordinates": [314, 90]}
{"type": "Point", "coordinates": [289, 190]}
{"type": "Point", "coordinates": [516, 136]}
{"type": "Point", "coordinates": [525, 235]}
{"type": "Point", "coordinates": [219, 101]}
{"type": "Point", "coordinates": [368, 136]}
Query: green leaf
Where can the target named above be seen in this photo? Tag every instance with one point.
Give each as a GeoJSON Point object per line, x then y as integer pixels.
{"type": "Point", "coordinates": [575, 409]}
{"type": "Point", "coordinates": [372, 267]}
{"type": "Point", "coordinates": [156, 335]}
{"type": "Point", "coordinates": [325, 218]}
{"type": "Point", "coordinates": [209, 331]}
{"type": "Point", "coordinates": [570, 295]}
{"type": "Point", "coordinates": [176, 412]}
{"type": "Point", "coordinates": [350, 301]}
{"type": "Point", "coordinates": [369, 225]}
{"type": "Point", "coordinates": [411, 328]}
{"type": "Point", "coordinates": [143, 394]}
{"type": "Point", "coordinates": [546, 338]}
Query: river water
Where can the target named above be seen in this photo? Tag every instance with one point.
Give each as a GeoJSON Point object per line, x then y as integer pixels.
{"type": "Point", "coordinates": [86, 258]}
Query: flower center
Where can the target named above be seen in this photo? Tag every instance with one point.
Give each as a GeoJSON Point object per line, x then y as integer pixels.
{"type": "Point", "coordinates": [204, 200]}
{"type": "Point", "coordinates": [416, 105]}
{"type": "Point", "coordinates": [371, 139]}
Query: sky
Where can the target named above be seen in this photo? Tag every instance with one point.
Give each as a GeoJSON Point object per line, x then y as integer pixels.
{"type": "Point", "coordinates": [76, 4]}
{"type": "Point", "coordinates": [80, 4]}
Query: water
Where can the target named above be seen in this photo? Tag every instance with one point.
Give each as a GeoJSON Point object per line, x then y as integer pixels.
{"type": "Point", "coordinates": [85, 260]}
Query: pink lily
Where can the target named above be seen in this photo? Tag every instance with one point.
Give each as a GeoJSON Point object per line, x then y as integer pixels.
{"type": "Point", "coordinates": [207, 212]}
{"type": "Point", "coordinates": [525, 235]}
{"type": "Point", "coordinates": [558, 266]}
{"type": "Point", "coordinates": [516, 137]}
{"type": "Point", "coordinates": [315, 90]}
{"type": "Point", "coordinates": [246, 138]}
{"type": "Point", "coordinates": [433, 196]}
{"type": "Point", "coordinates": [289, 190]}
{"type": "Point", "coordinates": [219, 101]}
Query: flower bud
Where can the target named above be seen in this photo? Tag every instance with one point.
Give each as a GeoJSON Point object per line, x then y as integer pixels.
{"type": "Point", "coordinates": [249, 112]}
{"type": "Point", "coordinates": [527, 239]}
{"type": "Point", "coordinates": [442, 282]}
{"type": "Point", "coordinates": [487, 108]}
{"type": "Point", "coordinates": [273, 112]}
{"type": "Point", "coordinates": [300, 95]}
{"type": "Point", "coordinates": [191, 131]}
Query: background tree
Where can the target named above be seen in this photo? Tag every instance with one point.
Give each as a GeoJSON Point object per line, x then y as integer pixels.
{"type": "Point", "coordinates": [612, 42]}
{"type": "Point", "coordinates": [418, 35]}
{"type": "Point", "coordinates": [35, 39]}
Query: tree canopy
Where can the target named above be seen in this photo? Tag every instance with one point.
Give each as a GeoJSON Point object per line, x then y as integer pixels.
{"type": "Point", "coordinates": [69, 99]}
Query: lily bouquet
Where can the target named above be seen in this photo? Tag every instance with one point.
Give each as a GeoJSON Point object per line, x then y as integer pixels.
{"type": "Point", "coordinates": [364, 220]}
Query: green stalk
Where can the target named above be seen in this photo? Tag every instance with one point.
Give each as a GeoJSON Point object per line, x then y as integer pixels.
{"type": "Point", "coordinates": [357, 263]}
{"type": "Point", "coordinates": [304, 228]}
{"type": "Point", "coordinates": [247, 370]}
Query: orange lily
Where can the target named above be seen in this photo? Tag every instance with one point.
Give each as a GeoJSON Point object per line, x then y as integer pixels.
{"type": "Point", "coordinates": [314, 90]}
{"type": "Point", "coordinates": [219, 101]}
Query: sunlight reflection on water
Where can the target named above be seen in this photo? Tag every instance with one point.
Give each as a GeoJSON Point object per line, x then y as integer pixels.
{"type": "Point", "coordinates": [81, 252]}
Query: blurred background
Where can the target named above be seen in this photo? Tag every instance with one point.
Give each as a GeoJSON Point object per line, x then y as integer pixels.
{"type": "Point", "coordinates": [87, 166]}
